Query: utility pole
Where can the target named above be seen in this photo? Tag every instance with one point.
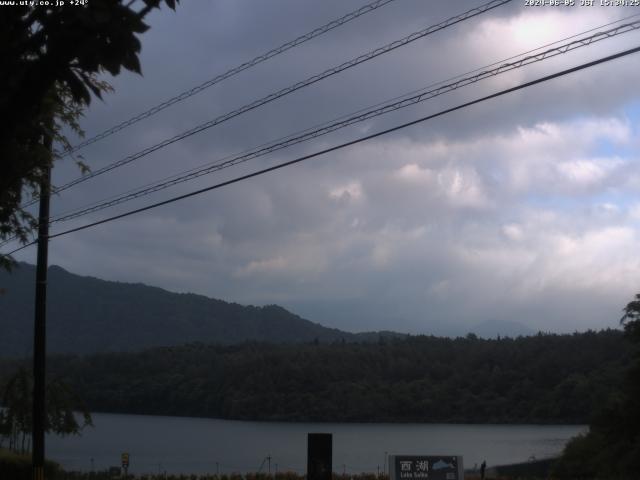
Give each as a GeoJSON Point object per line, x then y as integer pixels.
{"type": "Point", "coordinates": [40, 323]}
{"type": "Point", "coordinates": [384, 465]}
{"type": "Point", "coordinates": [269, 464]}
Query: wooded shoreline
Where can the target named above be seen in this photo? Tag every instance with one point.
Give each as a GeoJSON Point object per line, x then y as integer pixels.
{"type": "Point", "coordinates": [543, 379]}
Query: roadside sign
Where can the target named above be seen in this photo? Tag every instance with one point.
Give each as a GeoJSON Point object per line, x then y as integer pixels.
{"type": "Point", "coordinates": [125, 460]}
{"type": "Point", "coordinates": [426, 467]}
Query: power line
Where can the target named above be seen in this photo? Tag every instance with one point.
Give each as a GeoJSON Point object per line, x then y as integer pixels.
{"type": "Point", "coordinates": [231, 72]}
{"type": "Point", "coordinates": [346, 144]}
{"type": "Point", "coordinates": [317, 130]}
{"type": "Point", "coordinates": [325, 129]}
{"type": "Point", "coordinates": [209, 167]}
{"type": "Point", "coordinates": [285, 91]}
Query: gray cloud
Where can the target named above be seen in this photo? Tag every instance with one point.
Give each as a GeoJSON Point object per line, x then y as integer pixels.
{"type": "Point", "coordinates": [522, 208]}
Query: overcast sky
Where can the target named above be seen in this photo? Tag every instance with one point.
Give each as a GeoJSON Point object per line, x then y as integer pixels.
{"type": "Point", "coordinates": [522, 208]}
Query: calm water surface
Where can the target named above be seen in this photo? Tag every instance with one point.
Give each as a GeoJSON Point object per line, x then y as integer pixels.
{"type": "Point", "coordinates": [197, 445]}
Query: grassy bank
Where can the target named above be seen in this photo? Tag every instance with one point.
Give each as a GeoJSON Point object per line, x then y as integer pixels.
{"type": "Point", "coordinates": [282, 476]}
{"type": "Point", "coordinates": [59, 474]}
{"type": "Point", "coordinates": [18, 467]}
{"type": "Point", "coordinates": [526, 470]}
{"type": "Point", "coordinates": [14, 466]}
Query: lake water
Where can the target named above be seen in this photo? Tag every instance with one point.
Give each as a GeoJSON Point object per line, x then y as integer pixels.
{"type": "Point", "coordinates": [200, 445]}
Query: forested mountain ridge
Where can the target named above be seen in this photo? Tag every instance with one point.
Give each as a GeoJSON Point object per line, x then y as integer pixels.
{"type": "Point", "coordinates": [89, 315]}
{"type": "Point", "coordinates": [539, 379]}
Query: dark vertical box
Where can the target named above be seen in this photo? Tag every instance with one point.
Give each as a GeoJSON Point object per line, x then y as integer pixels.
{"type": "Point", "coordinates": [319, 456]}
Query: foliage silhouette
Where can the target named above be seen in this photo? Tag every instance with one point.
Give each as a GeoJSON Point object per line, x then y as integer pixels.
{"type": "Point", "coordinates": [50, 58]}
{"type": "Point", "coordinates": [16, 417]}
{"type": "Point", "coordinates": [611, 449]}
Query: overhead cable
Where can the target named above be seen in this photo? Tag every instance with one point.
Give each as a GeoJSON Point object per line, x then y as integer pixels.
{"type": "Point", "coordinates": [372, 113]}
{"type": "Point", "coordinates": [231, 72]}
{"type": "Point", "coordinates": [285, 91]}
{"type": "Point", "coordinates": [314, 132]}
{"type": "Point", "coordinates": [344, 145]}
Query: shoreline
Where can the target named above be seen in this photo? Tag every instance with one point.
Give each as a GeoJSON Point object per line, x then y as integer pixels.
{"type": "Point", "coordinates": [347, 422]}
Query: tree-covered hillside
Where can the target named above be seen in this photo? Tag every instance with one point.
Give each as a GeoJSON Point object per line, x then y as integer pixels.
{"type": "Point", "coordinates": [540, 379]}
{"type": "Point", "coordinates": [611, 448]}
{"type": "Point", "coordinates": [89, 315]}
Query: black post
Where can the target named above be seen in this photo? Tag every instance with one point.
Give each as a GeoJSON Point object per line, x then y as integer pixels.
{"type": "Point", "coordinates": [39, 331]}
{"type": "Point", "coordinates": [319, 456]}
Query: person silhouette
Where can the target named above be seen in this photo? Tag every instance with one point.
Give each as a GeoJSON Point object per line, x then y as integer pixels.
{"type": "Point", "coordinates": [483, 467]}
